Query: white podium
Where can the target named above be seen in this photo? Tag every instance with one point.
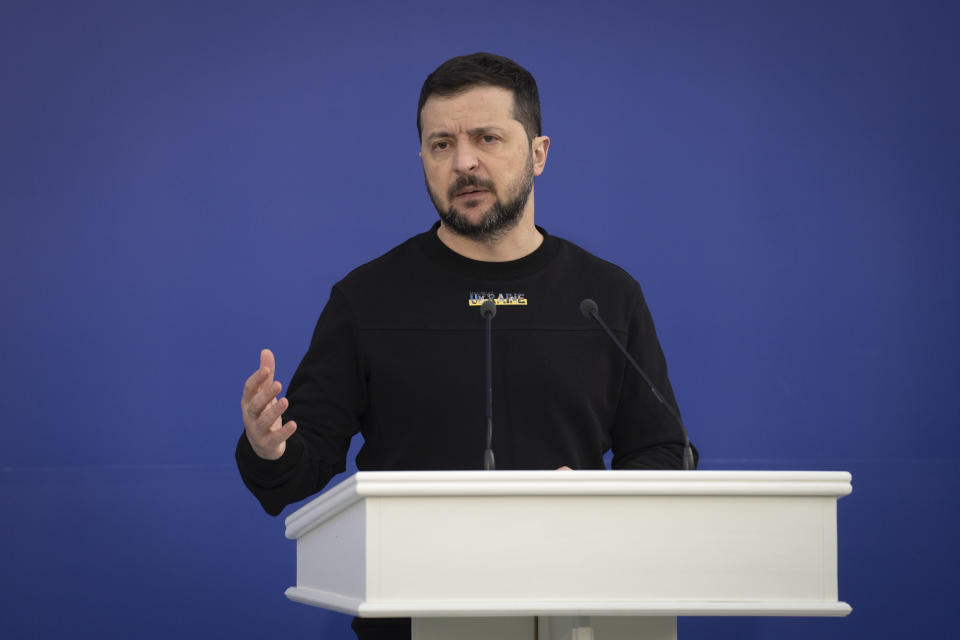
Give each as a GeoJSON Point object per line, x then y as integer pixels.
{"type": "Point", "coordinates": [578, 555]}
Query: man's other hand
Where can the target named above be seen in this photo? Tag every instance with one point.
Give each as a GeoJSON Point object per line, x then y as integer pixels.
{"type": "Point", "coordinates": [262, 411]}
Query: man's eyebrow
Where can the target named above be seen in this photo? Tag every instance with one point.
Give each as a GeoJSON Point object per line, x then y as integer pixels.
{"type": "Point", "coordinates": [476, 131]}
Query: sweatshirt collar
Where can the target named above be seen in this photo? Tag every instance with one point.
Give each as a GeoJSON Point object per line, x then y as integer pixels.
{"type": "Point", "coordinates": [431, 244]}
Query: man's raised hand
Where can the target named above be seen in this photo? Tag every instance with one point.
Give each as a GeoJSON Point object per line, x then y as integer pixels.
{"type": "Point", "coordinates": [262, 411]}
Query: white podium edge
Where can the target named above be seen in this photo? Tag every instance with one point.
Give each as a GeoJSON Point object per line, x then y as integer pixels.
{"type": "Point", "coordinates": [436, 609]}
{"type": "Point", "coordinates": [567, 483]}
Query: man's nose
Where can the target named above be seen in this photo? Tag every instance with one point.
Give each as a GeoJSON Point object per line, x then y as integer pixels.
{"type": "Point", "coordinates": [465, 159]}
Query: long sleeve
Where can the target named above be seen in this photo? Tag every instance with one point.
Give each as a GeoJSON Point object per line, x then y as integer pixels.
{"type": "Point", "coordinates": [645, 435]}
{"type": "Point", "coordinates": [327, 397]}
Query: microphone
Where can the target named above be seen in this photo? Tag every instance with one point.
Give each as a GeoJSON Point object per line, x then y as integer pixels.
{"type": "Point", "coordinates": [489, 309]}
{"type": "Point", "coordinates": [590, 310]}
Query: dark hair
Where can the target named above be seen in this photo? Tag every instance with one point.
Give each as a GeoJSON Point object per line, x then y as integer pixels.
{"type": "Point", "coordinates": [478, 69]}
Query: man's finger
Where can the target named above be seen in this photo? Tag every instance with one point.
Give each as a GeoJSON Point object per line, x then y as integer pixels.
{"type": "Point", "coordinates": [267, 361]}
{"type": "Point", "coordinates": [267, 392]}
{"type": "Point", "coordinates": [272, 445]}
{"type": "Point", "coordinates": [282, 405]}
{"type": "Point", "coordinates": [282, 434]}
{"type": "Point", "coordinates": [261, 375]}
{"type": "Point", "coordinates": [253, 383]}
{"type": "Point", "coordinates": [269, 418]}
{"type": "Point", "coordinates": [253, 405]}
{"type": "Point", "coordinates": [261, 418]}
{"type": "Point", "coordinates": [275, 439]}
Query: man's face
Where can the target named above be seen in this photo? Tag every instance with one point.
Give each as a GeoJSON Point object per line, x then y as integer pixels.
{"type": "Point", "coordinates": [478, 162]}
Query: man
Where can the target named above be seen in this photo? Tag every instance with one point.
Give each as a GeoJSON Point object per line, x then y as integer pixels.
{"type": "Point", "coordinates": [397, 353]}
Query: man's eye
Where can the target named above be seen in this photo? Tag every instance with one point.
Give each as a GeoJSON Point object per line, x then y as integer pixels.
{"type": "Point", "coordinates": [440, 146]}
{"type": "Point", "coordinates": [489, 139]}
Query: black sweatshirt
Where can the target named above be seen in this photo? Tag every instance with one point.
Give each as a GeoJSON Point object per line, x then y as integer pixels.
{"type": "Point", "coordinates": [398, 355]}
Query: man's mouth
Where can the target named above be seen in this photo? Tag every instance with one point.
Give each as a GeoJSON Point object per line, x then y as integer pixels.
{"type": "Point", "coordinates": [472, 191]}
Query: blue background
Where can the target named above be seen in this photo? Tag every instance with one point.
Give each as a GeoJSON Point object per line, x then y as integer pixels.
{"type": "Point", "coordinates": [182, 182]}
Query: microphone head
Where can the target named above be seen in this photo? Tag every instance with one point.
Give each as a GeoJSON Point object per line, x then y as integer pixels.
{"type": "Point", "coordinates": [488, 309]}
{"type": "Point", "coordinates": [588, 307]}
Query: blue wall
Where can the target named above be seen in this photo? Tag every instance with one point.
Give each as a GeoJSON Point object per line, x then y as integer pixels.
{"type": "Point", "coordinates": [182, 182]}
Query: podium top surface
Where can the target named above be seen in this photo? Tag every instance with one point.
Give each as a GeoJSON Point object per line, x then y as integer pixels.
{"type": "Point", "coordinates": [412, 484]}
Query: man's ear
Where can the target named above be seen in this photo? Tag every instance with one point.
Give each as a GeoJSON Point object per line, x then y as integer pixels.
{"type": "Point", "coordinates": [539, 148]}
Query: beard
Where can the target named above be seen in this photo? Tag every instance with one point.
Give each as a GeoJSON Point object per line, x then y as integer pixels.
{"type": "Point", "coordinates": [499, 218]}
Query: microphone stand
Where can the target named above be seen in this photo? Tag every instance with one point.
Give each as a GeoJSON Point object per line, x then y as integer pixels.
{"type": "Point", "coordinates": [489, 309]}
{"type": "Point", "coordinates": [590, 310]}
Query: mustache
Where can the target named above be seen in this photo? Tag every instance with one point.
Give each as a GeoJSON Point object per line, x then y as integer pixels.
{"type": "Point", "coordinates": [469, 181]}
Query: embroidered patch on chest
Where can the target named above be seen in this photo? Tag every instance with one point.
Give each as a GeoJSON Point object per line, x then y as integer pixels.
{"type": "Point", "coordinates": [477, 298]}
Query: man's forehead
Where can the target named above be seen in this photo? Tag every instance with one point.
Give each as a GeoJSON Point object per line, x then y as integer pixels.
{"type": "Point", "coordinates": [479, 106]}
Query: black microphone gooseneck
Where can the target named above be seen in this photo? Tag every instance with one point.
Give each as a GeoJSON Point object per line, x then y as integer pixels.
{"type": "Point", "coordinates": [489, 309]}
{"type": "Point", "coordinates": [590, 310]}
